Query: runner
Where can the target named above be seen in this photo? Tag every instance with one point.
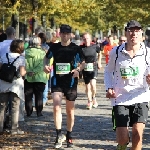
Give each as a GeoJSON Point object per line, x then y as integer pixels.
{"type": "Point", "coordinates": [125, 81]}
{"type": "Point", "coordinates": [64, 82]}
{"type": "Point", "coordinates": [122, 39]}
{"type": "Point", "coordinates": [90, 71]}
{"type": "Point", "coordinates": [108, 48]}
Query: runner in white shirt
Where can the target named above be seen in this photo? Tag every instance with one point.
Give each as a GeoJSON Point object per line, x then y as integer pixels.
{"type": "Point", "coordinates": [126, 86]}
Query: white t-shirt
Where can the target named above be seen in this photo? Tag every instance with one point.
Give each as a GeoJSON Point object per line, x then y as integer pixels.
{"type": "Point", "coordinates": [129, 79]}
{"type": "Point", "coordinates": [19, 62]}
{"type": "Point", "coordinates": [17, 86]}
{"type": "Point", "coordinates": [5, 47]}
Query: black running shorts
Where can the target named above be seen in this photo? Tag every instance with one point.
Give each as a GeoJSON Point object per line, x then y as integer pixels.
{"type": "Point", "coordinates": [89, 75]}
{"type": "Point", "coordinates": [125, 116]}
{"type": "Point", "coordinates": [62, 86]}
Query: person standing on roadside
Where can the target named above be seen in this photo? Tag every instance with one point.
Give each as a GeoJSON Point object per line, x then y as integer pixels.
{"type": "Point", "coordinates": [35, 78]}
{"type": "Point", "coordinates": [125, 81]}
{"type": "Point", "coordinates": [13, 92]}
{"type": "Point", "coordinates": [64, 82]}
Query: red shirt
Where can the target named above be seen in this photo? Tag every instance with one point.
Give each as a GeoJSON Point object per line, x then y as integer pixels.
{"type": "Point", "coordinates": [107, 49]}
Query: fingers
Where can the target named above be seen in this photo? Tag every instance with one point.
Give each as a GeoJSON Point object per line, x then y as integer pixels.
{"type": "Point", "coordinates": [148, 79]}
{"type": "Point", "coordinates": [110, 95]}
{"type": "Point", "coordinates": [47, 69]}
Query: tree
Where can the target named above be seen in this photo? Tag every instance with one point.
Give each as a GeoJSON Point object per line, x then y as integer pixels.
{"type": "Point", "coordinates": [82, 15]}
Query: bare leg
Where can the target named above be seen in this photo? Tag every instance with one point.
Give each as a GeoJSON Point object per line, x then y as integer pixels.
{"type": "Point", "coordinates": [137, 135]}
{"type": "Point", "coordinates": [57, 98]}
{"type": "Point", "coordinates": [70, 106]}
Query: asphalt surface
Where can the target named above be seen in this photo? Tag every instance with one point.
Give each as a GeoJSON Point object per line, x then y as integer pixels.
{"type": "Point", "coordinates": [92, 129]}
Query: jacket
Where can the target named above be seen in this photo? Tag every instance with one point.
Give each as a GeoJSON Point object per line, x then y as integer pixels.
{"type": "Point", "coordinates": [34, 63]}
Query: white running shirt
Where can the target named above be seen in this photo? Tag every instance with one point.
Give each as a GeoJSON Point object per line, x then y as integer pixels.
{"type": "Point", "coordinates": [129, 79]}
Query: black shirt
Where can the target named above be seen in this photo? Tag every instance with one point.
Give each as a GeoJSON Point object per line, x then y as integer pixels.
{"type": "Point", "coordinates": [64, 54]}
{"type": "Point", "coordinates": [89, 54]}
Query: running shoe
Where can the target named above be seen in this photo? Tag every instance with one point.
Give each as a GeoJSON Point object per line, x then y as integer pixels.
{"type": "Point", "coordinates": [59, 140]}
{"type": "Point", "coordinates": [69, 142]}
{"type": "Point", "coordinates": [95, 104]}
{"type": "Point", "coordinates": [89, 105]}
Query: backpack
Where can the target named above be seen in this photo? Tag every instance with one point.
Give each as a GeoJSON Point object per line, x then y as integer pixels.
{"type": "Point", "coordinates": [8, 71]}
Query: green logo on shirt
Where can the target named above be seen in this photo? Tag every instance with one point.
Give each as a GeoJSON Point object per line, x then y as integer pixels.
{"type": "Point", "coordinates": [130, 72]}
{"type": "Point", "coordinates": [62, 68]}
{"type": "Point", "coordinates": [89, 67]}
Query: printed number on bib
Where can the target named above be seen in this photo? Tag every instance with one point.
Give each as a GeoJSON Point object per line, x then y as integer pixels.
{"type": "Point", "coordinates": [129, 72]}
{"type": "Point", "coordinates": [89, 67]}
{"type": "Point", "coordinates": [62, 68]}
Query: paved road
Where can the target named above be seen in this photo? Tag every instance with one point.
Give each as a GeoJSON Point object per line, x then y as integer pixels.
{"type": "Point", "coordinates": [92, 130]}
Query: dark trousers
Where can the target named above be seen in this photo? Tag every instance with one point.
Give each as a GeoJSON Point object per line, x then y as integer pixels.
{"type": "Point", "coordinates": [36, 88]}
{"type": "Point", "coordinates": [4, 99]}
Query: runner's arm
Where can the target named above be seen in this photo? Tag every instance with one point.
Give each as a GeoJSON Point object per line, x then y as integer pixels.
{"type": "Point", "coordinates": [46, 61]}
{"type": "Point", "coordinates": [82, 60]}
{"type": "Point", "coordinates": [99, 60]}
{"type": "Point", "coordinates": [110, 70]}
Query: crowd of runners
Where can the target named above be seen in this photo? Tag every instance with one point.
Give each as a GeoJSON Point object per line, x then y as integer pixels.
{"type": "Point", "coordinates": [56, 65]}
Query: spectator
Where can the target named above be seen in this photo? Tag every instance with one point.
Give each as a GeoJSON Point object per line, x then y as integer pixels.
{"type": "Point", "coordinates": [36, 79]}
{"type": "Point", "coordinates": [3, 36]}
{"type": "Point", "coordinates": [4, 46]}
{"type": "Point", "coordinates": [13, 91]}
{"type": "Point", "coordinates": [45, 47]}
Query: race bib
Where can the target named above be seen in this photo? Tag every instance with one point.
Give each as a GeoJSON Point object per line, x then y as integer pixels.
{"type": "Point", "coordinates": [62, 68]}
{"type": "Point", "coordinates": [129, 72]}
{"type": "Point", "coordinates": [88, 67]}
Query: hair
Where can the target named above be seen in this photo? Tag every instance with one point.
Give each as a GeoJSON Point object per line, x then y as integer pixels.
{"type": "Point", "coordinates": [121, 37]}
{"type": "Point", "coordinates": [17, 46]}
{"type": "Point", "coordinates": [110, 36]}
{"type": "Point", "coordinates": [38, 30]}
{"type": "Point", "coordinates": [42, 36]}
{"type": "Point", "coordinates": [10, 31]}
{"type": "Point", "coordinates": [54, 39]}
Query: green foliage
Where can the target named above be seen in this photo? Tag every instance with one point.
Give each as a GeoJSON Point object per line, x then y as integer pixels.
{"type": "Point", "coordinates": [80, 14]}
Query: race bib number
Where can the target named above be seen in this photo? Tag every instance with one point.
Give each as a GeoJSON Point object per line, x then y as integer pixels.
{"type": "Point", "coordinates": [89, 67]}
{"type": "Point", "coordinates": [129, 72]}
{"type": "Point", "coordinates": [62, 68]}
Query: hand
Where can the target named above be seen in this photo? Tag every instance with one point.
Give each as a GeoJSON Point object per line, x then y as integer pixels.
{"type": "Point", "coordinates": [148, 79]}
{"type": "Point", "coordinates": [47, 69]}
{"type": "Point", "coordinates": [75, 73]}
{"type": "Point", "coordinates": [30, 74]}
{"type": "Point", "coordinates": [110, 93]}
{"type": "Point", "coordinates": [99, 65]}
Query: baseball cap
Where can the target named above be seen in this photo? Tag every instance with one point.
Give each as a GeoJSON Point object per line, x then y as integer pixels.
{"type": "Point", "coordinates": [132, 24]}
{"type": "Point", "coordinates": [64, 28]}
